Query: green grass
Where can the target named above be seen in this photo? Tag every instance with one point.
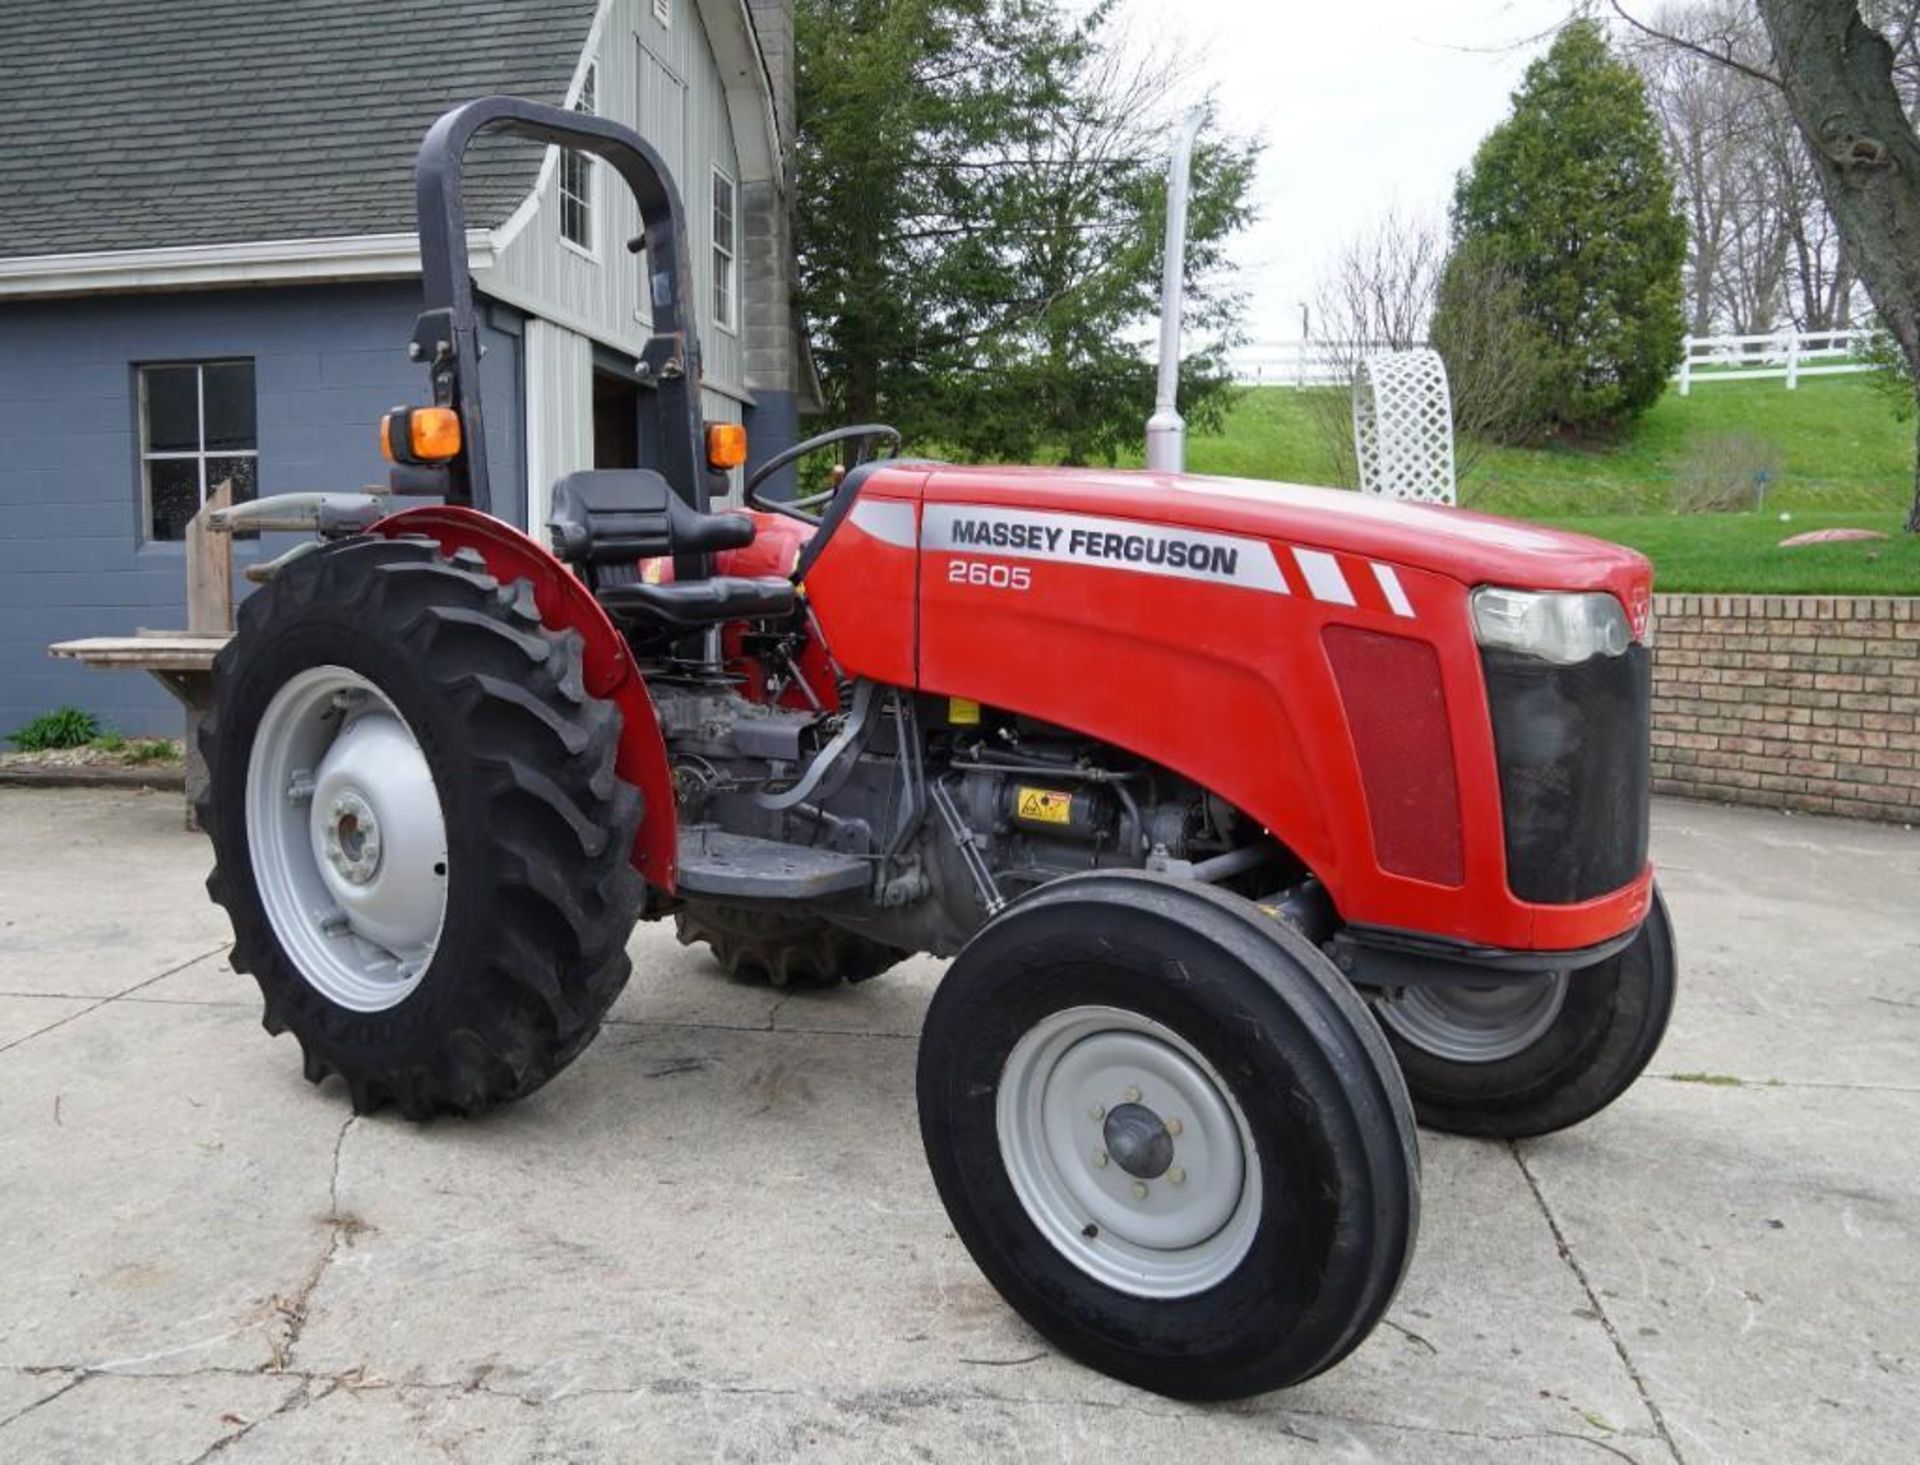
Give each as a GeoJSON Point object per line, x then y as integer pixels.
{"type": "Point", "coordinates": [1740, 552]}
{"type": "Point", "coordinates": [64, 727]}
{"type": "Point", "coordinates": [1841, 459]}
{"type": "Point", "coordinates": [135, 750]}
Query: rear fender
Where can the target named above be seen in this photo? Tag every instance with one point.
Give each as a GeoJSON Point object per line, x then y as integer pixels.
{"type": "Point", "coordinates": [564, 603]}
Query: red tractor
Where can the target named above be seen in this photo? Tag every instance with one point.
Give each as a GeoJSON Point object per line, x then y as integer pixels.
{"type": "Point", "coordinates": [1257, 819]}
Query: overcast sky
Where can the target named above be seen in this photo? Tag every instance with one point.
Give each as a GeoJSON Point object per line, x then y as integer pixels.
{"type": "Point", "coordinates": [1363, 106]}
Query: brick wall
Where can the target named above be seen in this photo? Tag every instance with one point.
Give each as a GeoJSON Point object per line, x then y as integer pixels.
{"type": "Point", "coordinates": [1790, 702]}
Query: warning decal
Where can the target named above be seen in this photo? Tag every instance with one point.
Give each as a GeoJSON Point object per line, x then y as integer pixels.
{"type": "Point", "coordinates": [1043, 806]}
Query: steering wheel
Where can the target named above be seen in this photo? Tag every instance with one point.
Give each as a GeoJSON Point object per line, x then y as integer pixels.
{"type": "Point", "coordinates": [876, 432]}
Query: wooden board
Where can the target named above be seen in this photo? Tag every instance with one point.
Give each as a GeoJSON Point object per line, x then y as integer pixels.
{"type": "Point", "coordinates": [161, 651]}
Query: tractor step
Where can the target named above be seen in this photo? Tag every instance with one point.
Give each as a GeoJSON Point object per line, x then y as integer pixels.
{"type": "Point", "coordinates": [713, 862]}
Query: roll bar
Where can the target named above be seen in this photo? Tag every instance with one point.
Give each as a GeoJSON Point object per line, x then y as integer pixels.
{"type": "Point", "coordinates": [446, 334]}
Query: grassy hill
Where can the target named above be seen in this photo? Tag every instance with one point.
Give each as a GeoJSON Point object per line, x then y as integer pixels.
{"type": "Point", "coordinates": [1831, 452]}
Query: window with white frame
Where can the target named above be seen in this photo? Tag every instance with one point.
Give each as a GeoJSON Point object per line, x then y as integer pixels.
{"type": "Point", "coordinates": [198, 427]}
{"type": "Point", "coordinates": [725, 249]}
{"type": "Point", "coordinates": [576, 179]}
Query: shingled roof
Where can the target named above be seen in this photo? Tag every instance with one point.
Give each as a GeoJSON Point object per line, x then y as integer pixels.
{"type": "Point", "coordinates": [132, 124]}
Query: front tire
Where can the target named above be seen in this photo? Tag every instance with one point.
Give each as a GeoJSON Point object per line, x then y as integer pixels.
{"type": "Point", "coordinates": [418, 833]}
{"type": "Point", "coordinates": [1170, 1135]}
{"type": "Point", "coordinates": [1529, 1058]}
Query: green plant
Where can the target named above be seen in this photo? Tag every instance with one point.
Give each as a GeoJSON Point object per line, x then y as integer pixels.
{"type": "Point", "coordinates": [151, 750]}
{"type": "Point", "coordinates": [1725, 473]}
{"type": "Point", "coordinates": [978, 224]}
{"type": "Point", "coordinates": [1890, 377]}
{"type": "Point", "coordinates": [64, 727]}
{"type": "Point", "coordinates": [110, 742]}
{"type": "Point", "coordinates": [1573, 195]}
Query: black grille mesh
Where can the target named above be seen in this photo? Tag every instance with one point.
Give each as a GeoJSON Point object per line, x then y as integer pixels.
{"type": "Point", "coordinates": [1573, 749]}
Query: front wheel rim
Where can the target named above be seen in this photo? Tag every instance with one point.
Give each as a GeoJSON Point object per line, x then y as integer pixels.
{"type": "Point", "coordinates": [1481, 1024]}
{"type": "Point", "coordinates": [1129, 1152]}
{"type": "Point", "coordinates": [347, 839]}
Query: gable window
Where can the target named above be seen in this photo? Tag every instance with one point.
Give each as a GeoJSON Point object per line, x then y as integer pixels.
{"type": "Point", "coordinates": [197, 427]}
{"type": "Point", "coordinates": [576, 180]}
{"type": "Point", "coordinates": [725, 248]}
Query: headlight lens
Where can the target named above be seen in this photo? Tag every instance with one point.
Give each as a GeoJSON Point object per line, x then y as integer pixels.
{"type": "Point", "coordinates": [1562, 628]}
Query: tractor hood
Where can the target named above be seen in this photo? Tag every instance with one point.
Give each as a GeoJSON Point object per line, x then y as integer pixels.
{"type": "Point", "coordinates": [1474, 549]}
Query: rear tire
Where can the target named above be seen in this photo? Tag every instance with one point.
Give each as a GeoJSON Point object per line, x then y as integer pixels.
{"type": "Point", "coordinates": [528, 860]}
{"type": "Point", "coordinates": [1585, 1042]}
{"type": "Point", "coordinates": [782, 948]}
{"type": "Point", "coordinates": [1250, 1245]}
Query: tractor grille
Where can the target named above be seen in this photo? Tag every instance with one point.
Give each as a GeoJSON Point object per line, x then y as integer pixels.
{"type": "Point", "coordinates": [1573, 748]}
{"type": "Point", "coordinates": [1397, 711]}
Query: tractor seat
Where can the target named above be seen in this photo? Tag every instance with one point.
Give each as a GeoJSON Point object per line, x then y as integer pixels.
{"type": "Point", "coordinates": [685, 604]}
{"type": "Point", "coordinates": [615, 516]}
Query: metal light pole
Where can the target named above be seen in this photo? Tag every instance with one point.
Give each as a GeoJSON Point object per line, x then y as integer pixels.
{"type": "Point", "coordinates": [1166, 431]}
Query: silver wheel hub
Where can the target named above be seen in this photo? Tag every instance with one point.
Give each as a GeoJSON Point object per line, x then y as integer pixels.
{"type": "Point", "coordinates": [348, 840]}
{"type": "Point", "coordinates": [352, 837]}
{"type": "Point", "coordinates": [1128, 1152]}
{"type": "Point", "coordinates": [1476, 1024]}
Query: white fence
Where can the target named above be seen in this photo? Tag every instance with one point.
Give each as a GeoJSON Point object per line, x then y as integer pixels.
{"type": "Point", "coordinates": [1782, 356]}
{"type": "Point", "coordinates": [1297, 363]}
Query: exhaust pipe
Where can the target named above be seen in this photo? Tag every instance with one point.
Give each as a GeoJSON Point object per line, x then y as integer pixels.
{"type": "Point", "coordinates": [1166, 430]}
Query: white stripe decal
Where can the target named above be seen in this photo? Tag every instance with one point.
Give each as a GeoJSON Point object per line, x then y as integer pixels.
{"type": "Point", "coordinates": [1112, 544]}
{"type": "Point", "coordinates": [1324, 579]}
{"type": "Point", "coordinates": [1390, 587]}
{"type": "Point", "coordinates": [887, 520]}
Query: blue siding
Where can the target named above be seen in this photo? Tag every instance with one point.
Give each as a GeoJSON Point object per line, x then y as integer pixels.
{"type": "Point", "coordinates": [328, 360]}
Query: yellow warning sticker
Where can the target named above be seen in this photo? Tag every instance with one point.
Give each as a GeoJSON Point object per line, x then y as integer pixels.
{"type": "Point", "coordinates": [1043, 806]}
{"type": "Point", "coordinates": [963, 712]}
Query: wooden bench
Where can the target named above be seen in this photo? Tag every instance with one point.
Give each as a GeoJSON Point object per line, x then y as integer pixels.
{"type": "Point", "coordinates": [181, 661]}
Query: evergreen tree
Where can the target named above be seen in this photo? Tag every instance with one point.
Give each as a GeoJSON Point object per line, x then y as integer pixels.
{"type": "Point", "coordinates": [980, 204]}
{"type": "Point", "coordinates": [1572, 197]}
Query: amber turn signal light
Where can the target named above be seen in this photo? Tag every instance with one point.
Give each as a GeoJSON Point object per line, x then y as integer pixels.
{"type": "Point", "coordinates": [420, 435]}
{"type": "Point", "coordinates": [726, 444]}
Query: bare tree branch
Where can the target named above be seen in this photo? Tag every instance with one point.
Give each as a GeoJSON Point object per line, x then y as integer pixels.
{"type": "Point", "coordinates": [1726, 58]}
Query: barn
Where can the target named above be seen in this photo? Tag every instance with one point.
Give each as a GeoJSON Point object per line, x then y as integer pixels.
{"type": "Point", "coordinates": [209, 271]}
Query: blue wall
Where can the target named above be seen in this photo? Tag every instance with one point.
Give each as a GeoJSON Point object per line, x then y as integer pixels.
{"type": "Point", "coordinates": [328, 361]}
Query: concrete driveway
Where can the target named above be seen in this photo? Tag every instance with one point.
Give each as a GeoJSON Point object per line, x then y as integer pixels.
{"type": "Point", "coordinates": [715, 1238]}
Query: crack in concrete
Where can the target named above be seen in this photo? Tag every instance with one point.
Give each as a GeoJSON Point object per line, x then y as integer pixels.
{"type": "Point", "coordinates": [1593, 1301]}
{"type": "Point", "coordinates": [341, 1229]}
{"type": "Point", "coordinates": [1521, 1437]}
{"type": "Point", "coordinates": [317, 1385]}
{"type": "Point", "coordinates": [762, 1030]}
{"type": "Point", "coordinates": [1735, 1081]}
{"type": "Point", "coordinates": [297, 1398]}
{"type": "Point", "coordinates": [79, 1378]}
{"type": "Point", "coordinates": [96, 1004]}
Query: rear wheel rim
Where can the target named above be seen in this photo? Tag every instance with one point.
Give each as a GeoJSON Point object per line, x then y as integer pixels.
{"type": "Point", "coordinates": [1481, 1024]}
{"type": "Point", "coordinates": [347, 839]}
{"type": "Point", "coordinates": [1128, 1152]}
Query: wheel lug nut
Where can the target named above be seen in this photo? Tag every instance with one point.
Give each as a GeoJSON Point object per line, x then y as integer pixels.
{"type": "Point", "coordinates": [1131, 1096]}
{"type": "Point", "coordinates": [1097, 1113]}
{"type": "Point", "coordinates": [1100, 1159]}
{"type": "Point", "coordinates": [1176, 1176]}
{"type": "Point", "coordinates": [1174, 1127]}
{"type": "Point", "coordinates": [1139, 1190]}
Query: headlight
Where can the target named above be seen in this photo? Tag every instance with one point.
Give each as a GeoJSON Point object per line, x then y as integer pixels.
{"type": "Point", "coordinates": [1561, 628]}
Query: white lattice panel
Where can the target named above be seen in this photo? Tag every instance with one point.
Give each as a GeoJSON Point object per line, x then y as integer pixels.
{"type": "Point", "coordinates": [1403, 426]}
